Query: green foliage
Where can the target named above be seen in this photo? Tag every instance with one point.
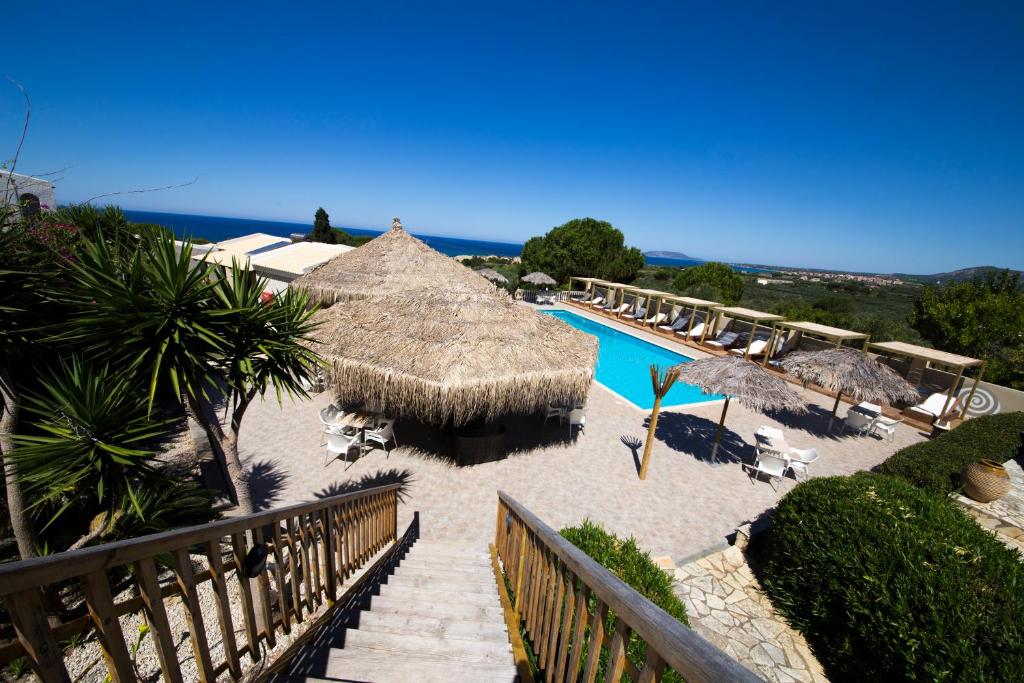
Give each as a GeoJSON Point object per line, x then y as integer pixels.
{"type": "Point", "coordinates": [635, 567]}
{"type": "Point", "coordinates": [727, 283]}
{"type": "Point", "coordinates": [583, 246]}
{"type": "Point", "coordinates": [342, 237]}
{"type": "Point", "coordinates": [891, 583]}
{"type": "Point", "coordinates": [983, 318]}
{"type": "Point", "coordinates": [935, 465]}
{"type": "Point", "coordinates": [322, 228]}
{"type": "Point", "coordinates": [664, 274]}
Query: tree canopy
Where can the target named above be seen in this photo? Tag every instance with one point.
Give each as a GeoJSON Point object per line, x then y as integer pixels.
{"type": "Point", "coordinates": [583, 246]}
{"type": "Point", "coordinates": [713, 280]}
{"type": "Point", "coordinates": [322, 231]}
{"type": "Point", "coordinates": [983, 318]}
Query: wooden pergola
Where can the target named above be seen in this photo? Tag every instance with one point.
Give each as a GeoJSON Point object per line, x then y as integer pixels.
{"type": "Point", "coordinates": [830, 334]}
{"type": "Point", "coordinates": [615, 301]}
{"type": "Point", "coordinates": [696, 304]}
{"type": "Point", "coordinates": [587, 282]}
{"type": "Point", "coordinates": [746, 315]}
{"type": "Point", "coordinates": [649, 295]}
{"type": "Point", "coordinates": [923, 358]}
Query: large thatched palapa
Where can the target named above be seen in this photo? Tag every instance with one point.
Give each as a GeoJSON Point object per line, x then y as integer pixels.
{"type": "Point", "coordinates": [436, 341]}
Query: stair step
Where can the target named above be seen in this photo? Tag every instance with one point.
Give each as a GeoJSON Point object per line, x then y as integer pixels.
{"type": "Point", "coordinates": [385, 669]}
{"type": "Point", "coordinates": [451, 573]}
{"type": "Point", "coordinates": [427, 606]}
{"type": "Point", "coordinates": [428, 583]}
{"type": "Point", "coordinates": [403, 591]}
{"type": "Point", "coordinates": [427, 647]}
{"type": "Point", "coordinates": [448, 550]}
{"type": "Point", "coordinates": [489, 630]}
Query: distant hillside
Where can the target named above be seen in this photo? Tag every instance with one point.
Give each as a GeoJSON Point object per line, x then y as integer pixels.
{"type": "Point", "coordinates": [955, 275]}
{"type": "Point", "coordinates": [669, 254]}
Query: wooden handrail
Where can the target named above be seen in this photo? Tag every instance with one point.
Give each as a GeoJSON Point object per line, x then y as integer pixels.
{"type": "Point", "coordinates": [312, 549]}
{"type": "Point", "coordinates": [553, 582]}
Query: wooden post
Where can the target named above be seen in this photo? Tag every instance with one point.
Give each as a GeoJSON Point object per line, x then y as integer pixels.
{"type": "Point", "coordinates": [974, 387]}
{"type": "Point", "coordinates": [750, 339]}
{"type": "Point", "coordinates": [770, 349]}
{"type": "Point", "coordinates": [835, 407]}
{"type": "Point", "coordinates": [660, 383]}
{"type": "Point", "coordinates": [721, 426]}
{"type": "Point", "coordinates": [949, 394]}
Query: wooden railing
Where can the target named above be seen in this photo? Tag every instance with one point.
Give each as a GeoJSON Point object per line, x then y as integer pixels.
{"type": "Point", "coordinates": [563, 599]}
{"type": "Point", "coordinates": [298, 557]}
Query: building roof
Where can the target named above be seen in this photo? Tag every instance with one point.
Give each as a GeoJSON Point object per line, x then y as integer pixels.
{"type": "Point", "coordinates": [823, 330]}
{"type": "Point", "coordinates": [247, 244]}
{"type": "Point", "coordinates": [748, 313]}
{"type": "Point", "coordinates": [296, 259]}
{"type": "Point", "coordinates": [924, 353]}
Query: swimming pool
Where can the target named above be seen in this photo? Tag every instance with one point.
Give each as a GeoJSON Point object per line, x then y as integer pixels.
{"type": "Point", "coordinates": [623, 361]}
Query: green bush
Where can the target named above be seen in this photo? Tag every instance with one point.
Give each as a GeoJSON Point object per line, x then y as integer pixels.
{"type": "Point", "coordinates": [627, 561]}
{"type": "Point", "coordinates": [889, 582]}
{"type": "Point", "coordinates": [935, 465]}
{"type": "Point", "coordinates": [727, 282]}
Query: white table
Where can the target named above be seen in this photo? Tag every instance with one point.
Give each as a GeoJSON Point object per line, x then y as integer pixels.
{"type": "Point", "coordinates": [869, 408]}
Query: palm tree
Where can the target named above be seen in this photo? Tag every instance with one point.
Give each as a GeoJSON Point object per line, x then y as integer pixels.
{"type": "Point", "coordinates": [197, 335]}
{"type": "Point", "coordinates": [661, 382]}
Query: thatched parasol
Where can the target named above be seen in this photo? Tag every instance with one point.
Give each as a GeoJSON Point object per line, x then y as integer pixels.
{"type": "Point", "coordinates": [456, 356]}
{"type": "Point", "coordinates": [393, 263]}
{"type": "Point", "coordinates": [415, 333]}
{"type": "Point", "coordinates": [743, 380]}
{"type": "Point", "coordinates": [851, 372]}
{"type": "Point", "coordinates": [493, 275]}
{"type": "Point", "coordinates": [539, 278]}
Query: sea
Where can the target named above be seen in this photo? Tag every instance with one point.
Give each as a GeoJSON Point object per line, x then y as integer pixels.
{"type": "Point", "coordinates": [217, 228]}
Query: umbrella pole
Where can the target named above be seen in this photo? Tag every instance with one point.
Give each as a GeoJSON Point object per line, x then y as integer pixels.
{"type": "Point", "coordinates": [718, 434]}
{"type": "Point", "coordinates": [835, 407]}
{"type": "Point", "coordinates": [650, 438]}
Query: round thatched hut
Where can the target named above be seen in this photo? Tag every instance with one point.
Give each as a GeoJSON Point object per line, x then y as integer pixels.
{"type": "Point", "coordinates": [414, 333]}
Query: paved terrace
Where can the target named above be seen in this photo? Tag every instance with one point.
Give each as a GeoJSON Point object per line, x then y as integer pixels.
{"type": "Point", "coordinates": [686, 506]}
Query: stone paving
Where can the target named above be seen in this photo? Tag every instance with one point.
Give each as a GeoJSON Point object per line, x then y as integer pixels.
{"type": "Point", "coordinates": [1004, 516]}
{"type": "Point", "coordinates": [725, 605]}
{"type": "Point", "coordinates": [686, 506]}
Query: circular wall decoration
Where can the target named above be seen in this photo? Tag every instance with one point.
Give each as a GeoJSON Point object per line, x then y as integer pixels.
{"type": "Point", "coordinates": [983, 403]}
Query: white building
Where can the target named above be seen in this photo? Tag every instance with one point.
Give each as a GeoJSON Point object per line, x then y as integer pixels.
{"type": "Point", "coordinates": [30, 195]}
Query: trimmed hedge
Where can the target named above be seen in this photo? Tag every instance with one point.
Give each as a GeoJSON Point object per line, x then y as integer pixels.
{"type": "Point", "coordinates": [935, 465]}
{"type": "Point", "coordinates": [889, 582]}
{"type": "Point", "coordinates": [627, 561]}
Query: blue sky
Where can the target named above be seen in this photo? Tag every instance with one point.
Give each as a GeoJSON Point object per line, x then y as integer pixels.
{"type": "Point", "coordinates": [882, 137]}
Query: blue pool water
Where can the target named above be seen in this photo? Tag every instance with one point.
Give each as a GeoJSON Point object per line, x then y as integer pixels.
{"type": "Point", "coordinates": [623, 363]}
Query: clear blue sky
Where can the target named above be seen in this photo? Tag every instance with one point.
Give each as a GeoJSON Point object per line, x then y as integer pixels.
{"type": "Point", "coordinates": [884, 137]}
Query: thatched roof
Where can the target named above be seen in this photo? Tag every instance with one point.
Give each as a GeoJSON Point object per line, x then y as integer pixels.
{"type": "Point", "coordinates": [415, 333]}
{"type": "Point", "coordinates": [393, 263]}
{"type": "Point", "coordinates": [453, 355]}
{"type": "Point", "coordinates": [492, 275]}
{"type": "Point", "coordinates": [743, 380]}
{"type": "Point", "coordinates": [850, 372]}
{"type": "Point", "coordinates": [538, 278]}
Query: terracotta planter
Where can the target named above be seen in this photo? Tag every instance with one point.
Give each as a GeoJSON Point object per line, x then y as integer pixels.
{"type": "Point", "coordinates": [985, 481]}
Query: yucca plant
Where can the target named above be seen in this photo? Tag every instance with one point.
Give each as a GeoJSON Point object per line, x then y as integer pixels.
{"type": "Point", "coordinates": [92, 445]}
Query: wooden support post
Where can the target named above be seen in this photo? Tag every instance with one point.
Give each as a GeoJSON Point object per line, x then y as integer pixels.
{"type": "Point", "coordinates": [29, 620]}
{"type": "Point", "coordinates": [750, 339]}
{"type": "Point", "coordinates": [835, 407]}
{"type": "Point", "coordinates": [950, 393]}
{"type": "Point", "coordinates": [108, 627]}
{"type": "Point", "coordinates": [974, 387]}
{"type": "Point", "coordinates": [721, 427]}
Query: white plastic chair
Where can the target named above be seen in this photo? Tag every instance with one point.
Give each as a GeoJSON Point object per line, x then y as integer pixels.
{"type": "Point", "coordinates": [339, 444]}
{"type": "Point", "coordinates": [771, 465]}
{"type": "Point", "coordinates": [857, 422]}
{"type": "Point", "coordinates": [576, 418]}
{"type": "Point", "coordinates": [554, 411]}
{"type": "Point", "coordinates": [329, 421]}
{"type": "Point", "coordinates": [800, 458]}
{"type": "Point", "coordinates": [886, 426]}
{"type": "Point", "coordinates": [382, 434]}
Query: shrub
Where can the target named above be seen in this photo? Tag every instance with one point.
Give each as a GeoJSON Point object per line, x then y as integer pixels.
{"type": "Point", "coordinates": [728, 283]}
{"type": "Point", "coordinates": [935, 465]}
{"type": "Point", "coordinates": [583, 246]}
{"type": "Point", "coordinates": [889, 582]}
{"type": "Point", "coordinates": [627, 561]}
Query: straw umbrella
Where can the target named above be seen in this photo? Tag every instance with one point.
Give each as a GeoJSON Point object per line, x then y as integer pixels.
{"type": "Point", "coordinates": [661, 382]}
{"type": "Point", "coordinates": [418, 334]}
{"type": "Point", "coordinates": [851, 372]}
{"type": "Point", "coordinates": [743, 380]}
{"type": "Point", "coordinates": [493, 276]}
{"type": "Point", "coordinates": [539, 278]}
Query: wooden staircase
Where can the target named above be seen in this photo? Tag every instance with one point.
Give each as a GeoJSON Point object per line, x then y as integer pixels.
{"type": "Point", "coordinates": [434, 615]}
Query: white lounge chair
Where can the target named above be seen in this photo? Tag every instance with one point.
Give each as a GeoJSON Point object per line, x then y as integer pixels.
{"type": "Point", "coordinates": [857, 422]}
{"type": "Point", "coordinates": [800, 458]}
{"type": "Point", "coordinates": [757, 348]}
{"type": "Point", "coordinates": [656, 319]}
{"type": "Point", "coordinates": [694, 333]}
{"type": "Point", "coordinates": [621, 309]}
{"type": "Point", "coordinates": [597, 301]}
{"type": "Point", "coordinates": [635, 313]}
{"type": "Point", "coordinates": [771, 465]}
{"type": "Point", "coordinates": [931, 408]}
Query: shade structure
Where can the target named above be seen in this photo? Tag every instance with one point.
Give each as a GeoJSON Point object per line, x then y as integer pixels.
{"type": "Point", "coordinates": [394, 263]}
{"type": "Point", "coordinates": [492, 275]}
{"type": "Point", "coordinates": [851, 372]}
{"type": "Point", "coordinates": [539, 278]}
{"type": "Point", "coordinates": [414, 333]}
{"type": "Point", "coordinates": [743, 380]}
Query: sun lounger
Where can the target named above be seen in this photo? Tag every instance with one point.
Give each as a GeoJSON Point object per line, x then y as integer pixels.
{"type": "Point", "coordinates": [757, 348]}
{"type": "Point", "coordinates": [597, 301]}
{"type": "Point", "coordinates": [680, 323]}
{"type": "Point", "coordinates": [724, 340]}
{"type": "Point", "coordinates": [656, 319]}
{"type": "Point", "coordinates": [931, 408]}
{"type": "Point", "coordinates": [637, 314]}
{"type": "Point", "coordinates": [694, 333]}
{"type": "Point", "coordinates": [621, 309]}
